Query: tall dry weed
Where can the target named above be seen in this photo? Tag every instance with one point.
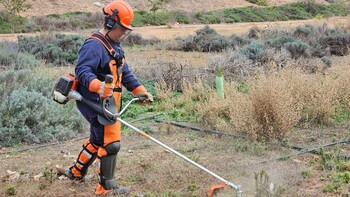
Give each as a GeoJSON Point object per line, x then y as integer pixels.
{"type": "Point", "coordinates": [273, 105]}
{"type": "Point", "coordinates": [163, 90]}
{"type": "Point", "coordinates": [319, 97]}
{"type": "Point", "coordinates": [275, 108]}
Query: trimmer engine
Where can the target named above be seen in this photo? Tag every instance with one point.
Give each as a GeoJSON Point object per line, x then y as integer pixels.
{"type": "Point", "coordinates": [63, 87]}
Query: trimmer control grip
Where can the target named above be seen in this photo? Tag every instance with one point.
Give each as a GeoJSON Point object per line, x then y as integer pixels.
{"type": "Point", "coordinates": [109, 79]}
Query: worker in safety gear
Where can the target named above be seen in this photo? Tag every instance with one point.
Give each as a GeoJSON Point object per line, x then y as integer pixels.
{"type": "Point", "coordinates": [102, 54]}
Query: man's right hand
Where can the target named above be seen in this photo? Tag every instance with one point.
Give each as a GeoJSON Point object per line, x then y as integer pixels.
{"type": "Point", "coordinates": [106, 90]}
{"type": "Point", "coordinates": [101, 88]}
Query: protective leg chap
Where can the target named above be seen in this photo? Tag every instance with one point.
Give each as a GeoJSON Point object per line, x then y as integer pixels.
{"type": "Point", "coordinates": [86, 157]}
{"type": "Point", "coordinates": [106, 163]}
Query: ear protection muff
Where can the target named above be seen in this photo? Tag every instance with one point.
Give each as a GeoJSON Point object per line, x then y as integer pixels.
{"type": "Point", "coordinates": [111, 23]}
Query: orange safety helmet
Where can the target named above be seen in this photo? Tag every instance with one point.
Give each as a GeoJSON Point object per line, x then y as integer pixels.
{"type": "Point", "coordinates": [119, 12]}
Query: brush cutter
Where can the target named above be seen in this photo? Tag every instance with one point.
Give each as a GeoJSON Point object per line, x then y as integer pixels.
{"type": "Point", "coordinates": [107, 114]}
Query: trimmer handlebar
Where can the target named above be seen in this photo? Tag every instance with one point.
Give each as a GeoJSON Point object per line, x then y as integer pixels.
{"type": "Point", "coordinates": [115, 115]}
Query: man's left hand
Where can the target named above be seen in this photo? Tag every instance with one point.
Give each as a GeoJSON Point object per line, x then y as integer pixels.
{"type": "Point", "coordinates": [148, 96]}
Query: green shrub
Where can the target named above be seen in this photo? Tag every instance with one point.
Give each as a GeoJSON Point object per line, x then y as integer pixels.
{"type": "Point", "coordinates": [180, 17]}
{"type": "Point", "coordinates": [8, 51]}
{"type": "Point", "coordinates": [297, 49]}
{"type": "Point", "coordinates": [239, 41]}
{"type": "Point", "coordinates": [10, 57]}
{"type": "Point", "coordinates": [68, 21]}
{"type": "Point", "coordinates": [278, 41]}
{"type": "Point", "coordinates": [334, 10]}
{"type": "Point", "coordinates": [208, 18]}
{"type": "Point", "coordinates": [30, 117]}
{"type": "Point", "coordinates": [58, 49]}
{"type": "Point", "coordinates": [254, 51]}
{"type": "Point", "coordinates": [11, 190]}
{"type": "Point", "coordinates": [11, 80]}
{"type": "Point", "coordinates": [5, 25]}
{"type": "Point", "coordinates": [146, 18]}
{"type": "Point", "coordinates": [8, 20]}
{"type": "Point", "coordinates": [205, 40]}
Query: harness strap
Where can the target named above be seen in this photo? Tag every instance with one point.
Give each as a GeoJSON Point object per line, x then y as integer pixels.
{"type": "Point", "coordinates": [105, 43]}
{"type": "Point", "coordinates": [115, 64]}
{"type": "Point", "coordinates": [117, 90]}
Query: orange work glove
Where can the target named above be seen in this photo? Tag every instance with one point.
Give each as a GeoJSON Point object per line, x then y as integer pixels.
{"type": "Point", "coordinates": [101, 88]}
{"type": "Point", "coordinates": [148, 96]}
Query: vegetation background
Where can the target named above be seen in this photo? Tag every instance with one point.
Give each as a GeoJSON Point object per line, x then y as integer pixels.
{"type": "Point", "coordinates": [286, 70]}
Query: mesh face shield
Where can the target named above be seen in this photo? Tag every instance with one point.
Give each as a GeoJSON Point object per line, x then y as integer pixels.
{"type": "Point", "coordinates": [127, 32]}
{"type": "Point", "coordinates": [124, 30]}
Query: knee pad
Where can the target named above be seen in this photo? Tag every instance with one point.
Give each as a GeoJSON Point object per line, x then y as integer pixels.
{"type": "Point", "coordinates": [113, 148]}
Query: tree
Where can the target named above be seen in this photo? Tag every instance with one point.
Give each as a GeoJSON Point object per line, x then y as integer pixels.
{"type": "Point", "coordinates": [13, 8]}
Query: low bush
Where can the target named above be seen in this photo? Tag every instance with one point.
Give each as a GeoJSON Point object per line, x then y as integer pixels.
{"type": "Point", "coordinates": [146, 18]}
{"type": "Point", "coordinates": [205, 40]}
{"type": "Point", "coordinates": [10, 57]}
{"type": "Point", "coordinates": [58, 49]}
{"type": "Point", "coordinates": [297, 49]}
{"type": "Point", "coordinates": [136, 39]}
{"type": "Point", "coordinates": [67, 22]}
{"type": "Point", "coordinates": [8, 52]}
{"type": "Point", "coordinates": [24, 80]}
{"type": "Point", "coordinates": [255, 51]}
{"type": "Point", "coordinates": [29, 115]}
{"type": "Point", "coordinates": [338, 44]}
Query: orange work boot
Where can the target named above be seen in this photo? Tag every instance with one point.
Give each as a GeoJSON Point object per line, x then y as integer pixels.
{"type": "Point", "coordinates": [100, 191]}
{"type": "Point", "coordinates": [68, 173]}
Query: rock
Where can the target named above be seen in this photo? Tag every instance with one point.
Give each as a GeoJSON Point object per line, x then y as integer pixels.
{"type": "Point", "coordinates": [98, 4]}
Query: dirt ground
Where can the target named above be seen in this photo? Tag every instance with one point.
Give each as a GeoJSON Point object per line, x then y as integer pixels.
{"type": "Point", "coordinates": [149, 169]}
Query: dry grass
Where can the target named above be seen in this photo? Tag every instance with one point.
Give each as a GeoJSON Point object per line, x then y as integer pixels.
{"type": "Point", "coordinates": [274, 104]}
{"type": "Point", "coordinates": [275, 109]}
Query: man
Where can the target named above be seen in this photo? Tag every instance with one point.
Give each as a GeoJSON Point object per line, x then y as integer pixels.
{"type": "Point", "coordinates": [100, 55]}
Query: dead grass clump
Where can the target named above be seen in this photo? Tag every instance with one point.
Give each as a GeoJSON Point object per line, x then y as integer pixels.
{"type": "Point", "coordinates": [275, 108]}
{"type": "Point", "coordinates": [233, 113]}
{"type": "Point", "coordinates": [174, 75]}
{"type": "Point", "coordinates": [318, 94]}
{"type": "Point", "coordinates": [240, 110]}
{"type": "Point", "coordinates": [163, 90]}
{"type": "Point", "coordinates": [343, 81]}
{"type": "Point", "coordinates": [271, 105]}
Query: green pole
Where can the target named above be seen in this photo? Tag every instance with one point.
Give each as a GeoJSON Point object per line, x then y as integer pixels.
{"type": "Point", "coordinates": [220, 84]}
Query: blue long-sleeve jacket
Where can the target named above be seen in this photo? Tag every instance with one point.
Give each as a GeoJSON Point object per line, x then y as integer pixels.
{"type": "Point", "coordinates": [93, 62]}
